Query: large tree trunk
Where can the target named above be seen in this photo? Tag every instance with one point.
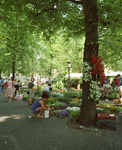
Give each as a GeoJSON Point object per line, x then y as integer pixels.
{"type": "Point", "coordinates": [88, 107]}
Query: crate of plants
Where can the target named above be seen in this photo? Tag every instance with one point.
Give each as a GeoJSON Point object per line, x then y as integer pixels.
{"type": "Point", "coordinates": [107, 121]}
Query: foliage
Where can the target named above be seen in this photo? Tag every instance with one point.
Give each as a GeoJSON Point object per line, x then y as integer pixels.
{"type": "Point", "coordinates": [74, 93]}
{"type": "Point", "coordinates": [118, 101]}
{"type": "Point", "coordinates": [76, 100]}
{"type": "Point", "coordinates": [50, 101]}
{"type": "Point", "coordinates": [108, 108]}
{"type": "Point", "coordinates": [73, 103]}
{"type": "Point", "coordinates": [112, 95]}
{"type": "Point", "coordinates": [56, 104]}
{"type": "Point", "coordinates": [38, 88]}
{"type": "Point", "coordinates": [74, 114]}
{"type": "Point", "coordinates": [25, 97]}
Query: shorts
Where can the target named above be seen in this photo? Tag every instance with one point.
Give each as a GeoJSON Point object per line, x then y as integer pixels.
{"type": "Point", "coordinates": [106, 85]}
{"type": "Point", "coordinates": [116, 88]}
{"type": "Point", "coordinates": [36, 110]}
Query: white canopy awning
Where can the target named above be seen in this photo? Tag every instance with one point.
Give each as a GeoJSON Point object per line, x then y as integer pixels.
{"type": "Point", "coordinates": [75, 75]}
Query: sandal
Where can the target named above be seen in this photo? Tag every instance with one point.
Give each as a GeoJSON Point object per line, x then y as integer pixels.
{"type": "Point", "coordinates": [40, 116]}
{"type": "Point", "coordinates": [34, 115]}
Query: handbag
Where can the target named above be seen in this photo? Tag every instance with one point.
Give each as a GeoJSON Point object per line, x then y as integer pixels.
{"type": "Point", "coordinates": [18, 97]}
{"type": "Point", "coordinates": [28, 92]}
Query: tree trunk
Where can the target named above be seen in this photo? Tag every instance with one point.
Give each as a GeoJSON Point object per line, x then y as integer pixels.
{"type": "Point", "coordinates": [88, 107]}
{"type": "Point", "coordinates": [0, 71]}
{"type": "Point", "coordinates": [13, 67]}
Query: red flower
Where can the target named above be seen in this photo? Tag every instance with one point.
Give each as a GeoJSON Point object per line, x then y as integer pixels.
{"type": "Point", "coordinates": [97, 67]}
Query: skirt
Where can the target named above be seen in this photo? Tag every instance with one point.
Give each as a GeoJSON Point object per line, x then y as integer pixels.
{"type": "Point", "coordinates": [9, 92]}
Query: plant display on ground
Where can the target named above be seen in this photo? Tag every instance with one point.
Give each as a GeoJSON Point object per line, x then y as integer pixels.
{"type": "Point", "coordinates": [51, 100]}
{"type": "Point", "coordinates": [25, 97]}
{"type": "Point", "coordinates": [73, 103]}
{"type": "Point", "coordinates": [57, 94]}
{"type": "Point", "coordinates": [59, 107]}
{"type": "Point", "coordinates": [74, 114]}
{"type": "Point", "coordinates": [108, 108]}
{"type": "Point", "coordinates": [113, 94]}
{"type": "Point", "coordinates": [56, 104]}
{"type": "Point", "coordinates": [74, 94]}
{"type": "Point", "coordinates": [118, 101]}
{"type": "Point", "coordinates": [76, 100]}
{"type": "Point", "coordinates": [62, 113]}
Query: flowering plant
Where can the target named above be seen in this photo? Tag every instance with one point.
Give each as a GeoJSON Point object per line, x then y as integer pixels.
{"type": "Point", "coordinates": [97, 67]}
{"type": "Point", "coordinates": [108, 108]}
{"type": "Point", "coordinates": [94, 90]}
{"type": "Point", "coordinates": [62, 113]}
{"type": "Point", "coordinates": [86, 72]}
{"type": "Point", "coordinates": [118, 101]}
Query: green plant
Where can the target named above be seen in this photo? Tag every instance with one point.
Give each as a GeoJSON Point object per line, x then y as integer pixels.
{"type": "Point", "coordinates": [50, 101]}
{"type": "Point", "coordinates": [72, 103]}
{"type": "Point", "coordinates": [25, 97]}
{"type": "Point", "coordinates": [38, 88]}
{"type": "Point", "coordinates": [56, 104]}
{"type": "Point", "coordinates": [67, 99]}
{"type": "Point", "coordinates": [60, 98]}
{"type": "Point", "coordinates": [74, 114]}
{"type": "Point", "coordinates": [74, 94]}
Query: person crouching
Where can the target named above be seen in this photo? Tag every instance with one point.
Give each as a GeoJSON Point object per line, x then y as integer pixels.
{"type": "Point", "coordinates": [39, 106]}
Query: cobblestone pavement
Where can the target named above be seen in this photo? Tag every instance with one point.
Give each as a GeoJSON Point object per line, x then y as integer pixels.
{"type": "Point", "coordinates": [19, 132]}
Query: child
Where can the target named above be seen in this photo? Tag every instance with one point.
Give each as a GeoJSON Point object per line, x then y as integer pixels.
{"type": "Point", "coordinates": [39, 106]}
{"type": "Point", "coordinates": [17, 87]}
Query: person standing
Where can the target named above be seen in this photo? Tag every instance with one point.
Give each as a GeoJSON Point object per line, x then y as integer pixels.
{"type": "Point", "coordinates": [106, 85]}
{"type": "Point", "coordinates": [30, 89]}
{"type": "Point", "coordinates": [9, 89]}
{"type": "Point", "coordinates": [50, 82]}
{"type": "Point", "coordinates": [120, 86]}
{"type": "Point", "coordinates": [78, 85]}
{"type": "Point", "coordinates": [15, 82]}
{"type": "Point", "coordinates": [117, 83]}
{"type": "Point", "coordinates": [1, 85]}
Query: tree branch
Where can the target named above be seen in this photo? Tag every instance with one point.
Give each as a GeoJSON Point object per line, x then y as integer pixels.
{"type": "Point", "coordinates": [76, 2]}
{"type": "Point", "coordinates": [43, 11]}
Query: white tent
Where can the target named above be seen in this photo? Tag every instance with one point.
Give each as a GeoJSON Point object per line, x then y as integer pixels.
{"type": "Point", "coordinates": [75, 75]}
{"type": "Point", "coordinates": [113, 73]}
{"type": "Point", "coordinates": [106, 74]}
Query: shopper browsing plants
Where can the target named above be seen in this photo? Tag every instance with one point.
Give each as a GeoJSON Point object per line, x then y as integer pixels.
{"type": "Point", "coordinates": [38, 107]}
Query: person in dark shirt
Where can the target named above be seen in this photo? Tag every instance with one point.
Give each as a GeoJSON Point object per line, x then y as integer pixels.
{"type": "Point", "coordinates": [31, 91]}
{"type": "Point", "coordinates": [39, 106]}
{"type": "Point", "coordinates": [17, 88]}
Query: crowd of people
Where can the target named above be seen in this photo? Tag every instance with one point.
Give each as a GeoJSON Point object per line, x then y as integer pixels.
{"type": "Point", "coordinates": [116, 85]}
{"type": "Point", "coordinates": [10, 89]}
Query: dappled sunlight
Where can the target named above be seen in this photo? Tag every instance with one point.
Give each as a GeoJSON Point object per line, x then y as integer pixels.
{"type": "Point", "coordinates": [4, 118]}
